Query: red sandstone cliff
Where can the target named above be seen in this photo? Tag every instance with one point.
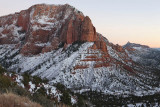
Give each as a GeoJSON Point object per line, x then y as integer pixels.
{"type": "Point", "coordinates": [46, 24]}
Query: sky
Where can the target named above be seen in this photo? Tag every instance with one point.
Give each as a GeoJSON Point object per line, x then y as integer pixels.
{"type": "Point", "coordinates": [120, 21]}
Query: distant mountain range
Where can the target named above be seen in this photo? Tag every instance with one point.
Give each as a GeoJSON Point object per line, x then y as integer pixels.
{"type": "Point", "coordinates": [59, 43]}
{"type": "Point", "coordinates": [158, 49]}
{"type": "Point", "coordinates": [143, 55]}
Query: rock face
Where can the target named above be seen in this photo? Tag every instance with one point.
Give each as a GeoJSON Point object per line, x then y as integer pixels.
{"type": "Point", "coordinates": [88, 31]}
{"type": "Point", "coordinates": [82, 30]}
{"type": "Point", "coordinates": [31, 49]}
{"type": "Point", "coordinates": [59, 43]}
{"type": "Point", "coordinates": [41, 24]}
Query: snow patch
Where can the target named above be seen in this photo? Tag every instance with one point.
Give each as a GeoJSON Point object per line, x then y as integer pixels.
{"type": "Point", "coordinates": [32, 87]}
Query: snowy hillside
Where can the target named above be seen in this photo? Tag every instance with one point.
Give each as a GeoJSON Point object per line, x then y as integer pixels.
{"type": "Point", "coordinates": [76, 70]}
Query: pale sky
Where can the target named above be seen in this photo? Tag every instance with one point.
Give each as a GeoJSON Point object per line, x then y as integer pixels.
{"type": "Point", "coordinates": [119, 21]}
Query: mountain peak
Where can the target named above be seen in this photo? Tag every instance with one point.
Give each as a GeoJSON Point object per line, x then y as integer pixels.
{"type": "Point", "coordinates": [132, 45]}
{"type": "Point", "coordinates": [128, 42]}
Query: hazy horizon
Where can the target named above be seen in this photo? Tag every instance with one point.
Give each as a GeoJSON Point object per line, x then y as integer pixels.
{"type": "Point", "coordinates": [119, 21]}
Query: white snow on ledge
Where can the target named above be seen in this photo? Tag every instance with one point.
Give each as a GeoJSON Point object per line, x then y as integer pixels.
{"type": "Point", "coordinates": [32, 87]}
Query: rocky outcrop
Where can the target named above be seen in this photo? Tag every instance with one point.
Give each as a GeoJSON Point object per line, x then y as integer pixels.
{"type": "Point", "coordinates": [31, 49]}
{"type": "Point", "coordinates": [39, 36]}
{"type": "Point", "coordinates": [88, 31]}
{"type": "Point", "coordinates": [117, 47]}
{"type": "Point", "coordinates": [54, 45]}
{"type": "Point", "coordinates": [23, 20]}
{"type": "Point", "coordinates": [80, 30]}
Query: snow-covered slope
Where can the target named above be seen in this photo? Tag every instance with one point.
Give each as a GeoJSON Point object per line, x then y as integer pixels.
{"type": "Point", "coordinates": [77, 69]}
{"type": "Point", "coordinates": [61, 44]}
